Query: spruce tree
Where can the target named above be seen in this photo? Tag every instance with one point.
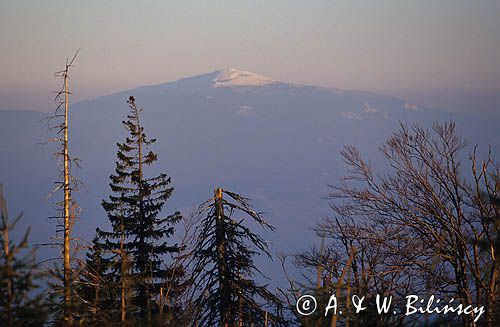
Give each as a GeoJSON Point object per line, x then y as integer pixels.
{"type": "Point", "coordinates": [96, 288]}
{"type": "Point", "coordinates": [133, 209]}
{"type": "Point", "coordinates": [21, 304]}
{"type": "Point", "coordinates": [225, 292]}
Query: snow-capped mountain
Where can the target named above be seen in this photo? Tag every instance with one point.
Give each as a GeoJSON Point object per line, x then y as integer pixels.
{"type": "Point", "coordinates": [273, 141]}
{"type": "Point", "coordinates": [233, 77]}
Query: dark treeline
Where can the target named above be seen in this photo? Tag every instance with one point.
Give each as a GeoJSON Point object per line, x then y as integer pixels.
{"type": "Point", "coordinates": [135, 274]}
{"type": "Point", "coordinates": [429, 225]}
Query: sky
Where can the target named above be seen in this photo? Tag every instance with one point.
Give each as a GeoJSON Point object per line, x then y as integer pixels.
{"type": "Point", "coordinates": [447, 48]}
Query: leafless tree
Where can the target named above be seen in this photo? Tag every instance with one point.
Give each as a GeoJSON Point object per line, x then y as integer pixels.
{"type": "Point", "coordinates": [67, 208]}
{"type": "Point", "coordinates": [433, 211]}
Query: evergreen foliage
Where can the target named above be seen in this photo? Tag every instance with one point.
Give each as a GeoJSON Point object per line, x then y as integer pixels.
{"type": "Point", "coordinates": [226, 293]}
{"type": "Point", "coordinates": [134, 210]}
{"type": "Point", "coordinates": [96, 288]}
{"type": "Point", "coordinates": [21, 303]}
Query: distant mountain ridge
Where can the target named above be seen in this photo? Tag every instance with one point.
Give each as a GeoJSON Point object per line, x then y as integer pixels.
{"type": "Point", "coordinates": [273, 141]}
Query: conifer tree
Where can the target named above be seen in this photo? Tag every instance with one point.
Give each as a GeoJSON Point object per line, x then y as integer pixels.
{"type": "Point", "coordinates": [138, 229]}
{"type": "Point", "coordinates": [96, 289]}
{"type": "Point", "coordinates": [225, 292]}
{"type": "Point", "coordinates": [19, 305]}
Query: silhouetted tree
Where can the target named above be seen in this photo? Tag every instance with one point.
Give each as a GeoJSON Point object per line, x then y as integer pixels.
{"type": "Point", "coordinates": [428, 226]}
{"type": "Point", "coordinates": [97, 289]}
{"type": "Point", "coordinates": [21, 302]}
{"type": "Point", "coordinates": [138, 231]}
{"type": "Point", "coordinates": [225, 293]}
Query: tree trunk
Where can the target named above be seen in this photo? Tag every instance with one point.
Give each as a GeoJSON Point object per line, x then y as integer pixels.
{"type": "Point", "coordinates": [225, 292]}
{"type": "Point", "coordinates": [123, 310]}
{"type": "Point", "coordinates": [8, 264]}
{"type": "Point", "coordinates": [67, 231]}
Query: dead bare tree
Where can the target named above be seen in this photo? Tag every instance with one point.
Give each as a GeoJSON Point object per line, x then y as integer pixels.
{"type": "Point", "coordinates": [67, 208]}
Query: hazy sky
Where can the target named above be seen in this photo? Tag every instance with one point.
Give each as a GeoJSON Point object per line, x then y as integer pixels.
{"type": "Point", "coordinates": [370, 45]}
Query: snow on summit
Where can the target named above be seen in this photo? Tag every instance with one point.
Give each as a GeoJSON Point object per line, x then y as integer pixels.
{"type": "Point", "coordinates": [233, 77]}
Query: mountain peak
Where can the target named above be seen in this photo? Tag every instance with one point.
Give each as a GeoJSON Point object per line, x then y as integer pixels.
{"type": "Point", "coordinates": [233, 77]}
